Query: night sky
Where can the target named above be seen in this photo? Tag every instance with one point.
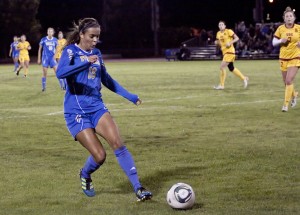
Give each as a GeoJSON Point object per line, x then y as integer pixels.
{"type": "Point", "coordinates": [173, 13]}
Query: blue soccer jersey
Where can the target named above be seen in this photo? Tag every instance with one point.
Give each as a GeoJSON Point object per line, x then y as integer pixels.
{"type": "Point", "coordinates": [84, 81]}
{"type": "Point", "coordinates": [14, 51]}
{"type": "Point", "coordinates": [49, 46]}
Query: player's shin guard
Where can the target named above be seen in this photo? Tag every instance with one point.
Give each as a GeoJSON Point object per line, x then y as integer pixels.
{"type": "Point", "coordinates": [222, 77]}
{"type": "Point", "coordinates": [127, 164]}
{"type": "Point", "coordinates": [90, 166]}
{"type": "Point", "coordinates": [288, 94]}
{"type": "Point", "coordinates": [238, 73]}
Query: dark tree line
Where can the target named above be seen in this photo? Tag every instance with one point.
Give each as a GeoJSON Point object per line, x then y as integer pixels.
{"type": "Point", "coordinates": [17, 17]}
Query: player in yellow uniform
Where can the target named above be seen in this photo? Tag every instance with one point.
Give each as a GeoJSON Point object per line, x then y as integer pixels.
{"type": "Point", "coordinates": [24, 59]}
{"type": "Point", "coordinates": [225, 39]}
{"type": "Point", "coordinates": [288, 37]}
{"type": "Point", "coordinates": [61, 43]}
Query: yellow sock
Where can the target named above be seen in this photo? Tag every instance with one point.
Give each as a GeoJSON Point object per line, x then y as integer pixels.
{"type": "Point", "coordinates": [238, 73]}
{"type": "Point", "coordinates": [295, 93]}
{"type": "Point", "coordinates": [222, 77]}
{"type": "Point", "coordinates": [288, 94]}
{"type": "Point", "coordinates": [25, 71]}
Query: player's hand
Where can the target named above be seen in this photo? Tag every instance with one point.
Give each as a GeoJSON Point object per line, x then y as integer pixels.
{"type": "Point", "coordinates": [92, 58]}
{"type": "Point", "coordinates": [138, 102]}
{"type": "Point", "coordinates": [228, 45]}
{"type": "Point", "coordinates": [284, 41]}
{"type": "Point", "coordinates": [39, 62]}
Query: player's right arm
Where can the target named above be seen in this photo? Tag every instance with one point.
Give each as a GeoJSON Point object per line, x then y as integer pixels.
{"type": "Point", "coordinates": [10, 51]}
{"type": "Point", "coordinates": [277, 42]}
{"type": "Point", "coordinates": [39, 54]}
{"type": "Point", "coordinates": [278, 39]}
{"type": "Point", "coordinates": [70, 63]}
{"type": "Point", "coordinates": [217, 42]}
{"type": "Point", "coordinates": [19, 47]}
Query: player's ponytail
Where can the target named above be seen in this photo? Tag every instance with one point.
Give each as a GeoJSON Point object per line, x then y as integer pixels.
{"type": "Point", "coordinates": [83, 25]}
{"type": "Point", "coordinates": [73, 36]}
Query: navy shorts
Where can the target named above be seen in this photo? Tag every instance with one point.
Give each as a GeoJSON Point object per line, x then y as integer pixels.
{"type": "Point", "coordinates": [48, 62]}
{"type": "Point", "coordinates": [78, 122]}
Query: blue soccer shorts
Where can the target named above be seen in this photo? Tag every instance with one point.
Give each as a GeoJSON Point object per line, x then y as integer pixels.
{"type": "Point", "coordinates": [48, 62]}
{"type": "Point", "coordinates": [15, 55]}
{"type": "Point", "coordinates": [79, 122]}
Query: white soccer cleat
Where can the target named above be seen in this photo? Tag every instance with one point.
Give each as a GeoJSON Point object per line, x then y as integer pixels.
{"type": "Point", "coordinates": [284, 109]}
{"type": "Point", "coordinates": [246, 82]}
{"type": "Point", "coordinates": [294, 100]}
{"type": "Point", "coordinates": [219, 87]}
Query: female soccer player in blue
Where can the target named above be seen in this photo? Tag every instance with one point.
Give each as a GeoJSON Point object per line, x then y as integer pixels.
{"type": "Point", "coordinates": [14, 52]}
{"type": "Point", "coordinates": [85, 113]}
{"type": "Point", "coordinates": [48, 44]}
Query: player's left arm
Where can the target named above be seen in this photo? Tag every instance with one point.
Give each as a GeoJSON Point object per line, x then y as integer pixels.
{"type": "Point", "coordinates": [234, 40]}
{"type": "Point", "coordinates": [114, 86]}
{"type": "Point", "coordinates": [298, 43]}
{"type": "Point", "coordinates": [28, 46]}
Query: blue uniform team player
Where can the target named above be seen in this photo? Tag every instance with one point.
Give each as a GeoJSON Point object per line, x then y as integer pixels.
{"type": "Point", "coordinates": [14, 52]}
{"type": "Point", "coordinates": [48, 44]}
{"type": "Point", "coordinates": [85, 113]}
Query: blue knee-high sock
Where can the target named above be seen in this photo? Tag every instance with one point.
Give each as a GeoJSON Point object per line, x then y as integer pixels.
{"type": "Point", "coordinates": [65, 82]}
{"type": "Point", "coordinates": [61, 84]}
{"type": "Point", "coordinates": [16, 66]}
{"type": "Point", "coordinates": [127, 164]}
{"type": "Point", "coordinates": [44, 82]}
{"type": "Point", "coordinates": [90, 166]}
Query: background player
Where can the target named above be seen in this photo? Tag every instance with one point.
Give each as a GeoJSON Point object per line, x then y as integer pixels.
{"type": "Point", "coordinates": [24, 47]}
{"type": "Point", "coordinates": [14, 52]}
{"type": "Point", "coordinates": [85, 113]}
{"type": "Point", "coordinates": [61, 42]}
{"type": "Point", "coordinates": [225, 39]}
{"type": "Point", "coordinates": [48, 44]}
{"type": "Point", "coordinates": [288, 37]}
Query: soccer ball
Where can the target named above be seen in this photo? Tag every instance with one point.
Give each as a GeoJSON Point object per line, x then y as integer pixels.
{"type": "Point", "coordinates": [181, 196]}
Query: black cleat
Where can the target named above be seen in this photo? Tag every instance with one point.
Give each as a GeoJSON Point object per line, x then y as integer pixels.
{"type": "Point", "coordinates": [142, 194]}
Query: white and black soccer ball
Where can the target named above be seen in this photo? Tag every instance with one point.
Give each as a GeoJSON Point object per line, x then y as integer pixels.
{"type": "Point", "coordinates": [181, 196]}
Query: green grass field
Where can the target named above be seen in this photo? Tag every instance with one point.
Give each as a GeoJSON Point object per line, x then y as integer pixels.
{"type": "Point", "coordinates": [235, 147]}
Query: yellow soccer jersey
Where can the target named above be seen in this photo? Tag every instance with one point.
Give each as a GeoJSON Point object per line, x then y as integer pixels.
{"type": "Point", "coordinates": [290, 50]}
{"type": "Point", "coordinates": [59, 47]}
{"type": "Point", "coordinates": [23, 47]}
{"type": "Point", "coordinates": [225, 37]}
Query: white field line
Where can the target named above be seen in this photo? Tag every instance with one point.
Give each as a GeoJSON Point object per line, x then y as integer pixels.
{"type": "Point", "coordinates": [253, 102]}
{"type": "Point", "coordinates": [159, 107]}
